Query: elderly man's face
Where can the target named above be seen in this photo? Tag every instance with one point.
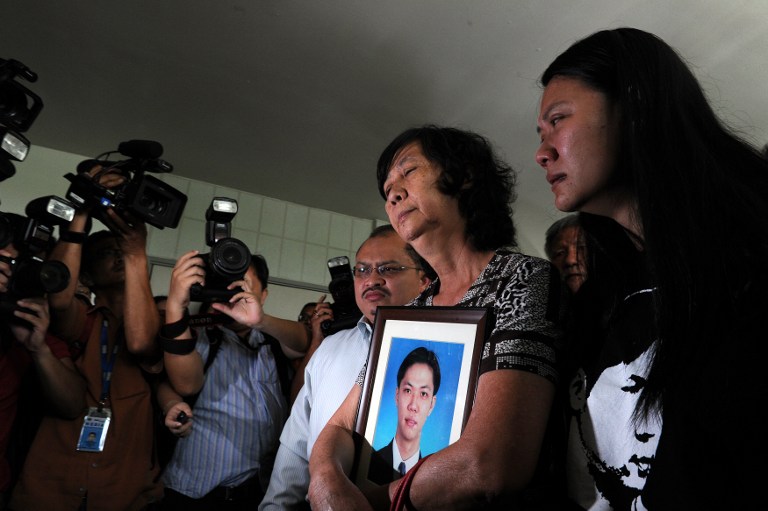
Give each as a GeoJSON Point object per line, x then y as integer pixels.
{"type": "Point", "coordinates": [568, 255]}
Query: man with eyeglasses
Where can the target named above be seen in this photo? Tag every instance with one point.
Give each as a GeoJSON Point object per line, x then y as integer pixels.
{"type": "Point", "coordinates": [387, 271]}
{"type": "Point", "coordinates": [112, 345]}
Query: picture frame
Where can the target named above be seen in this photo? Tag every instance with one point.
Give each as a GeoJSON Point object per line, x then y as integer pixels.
{"type": "Point", "coordinates": [455, 337]}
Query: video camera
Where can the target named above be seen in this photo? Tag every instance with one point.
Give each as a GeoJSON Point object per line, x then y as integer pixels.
{"type": "Point", "coordinates": [229, 257]}
{"type": "Point", "coordinates": [142, 195]}
{"type": "Point", "coordinates": [32, 236]}
{"type": "Point", "coordinates": [342, 287]}
{"type": "Point", "coordinates": [19, 108]}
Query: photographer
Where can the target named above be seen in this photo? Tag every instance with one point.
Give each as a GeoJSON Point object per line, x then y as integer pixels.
{"type": "Point", "coordinates": [111, 343]}
{"type": "Point", "coordinates": [234, 369]}
{"type": "Point", "coordinates": [24, 343]}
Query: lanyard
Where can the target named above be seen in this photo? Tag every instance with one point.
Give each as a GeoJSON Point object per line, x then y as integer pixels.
{"type": "Point", "coordinates": [107, 364]}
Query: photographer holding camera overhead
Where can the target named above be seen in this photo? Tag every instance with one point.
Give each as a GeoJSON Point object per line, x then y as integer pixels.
{"type": "Point", "coordinates": [112, 344]}
{"type": "Point", "coordinates": [233, 369]}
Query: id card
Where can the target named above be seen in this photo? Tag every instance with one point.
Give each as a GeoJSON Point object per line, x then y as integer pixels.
{"type": "Point", "coordinates": [94, 431]}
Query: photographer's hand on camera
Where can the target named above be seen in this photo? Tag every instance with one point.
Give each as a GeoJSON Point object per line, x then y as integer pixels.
{"type": "Point", "coordinates": [109, 179]}
{"type": "Point", "coordinates": [105, 177]}
{"type": "Point", "coordinates": [184, 367]}
{"type": "Point", "coordinates": [132, 233]}
{"type": "Point", "coordinates": [323, 312]}
{"type": "Point", "coordinates": [187, 271]}
{"type": "Point", "coordinates": [245, 307]}
{"type": "Point", "coordinates": [32, 334]}
{"type": "Point", "coordinates": [60, 382]}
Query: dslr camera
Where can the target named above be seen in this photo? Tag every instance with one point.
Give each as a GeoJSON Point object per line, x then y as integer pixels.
{"type": "Point", "coordinates": [19, 108]}
{"type": "Point", "coordinates": [342, 288]}
{"type": "Point", "coordinates": [142, 195]}
{"type": "Point", "coordinates": [229, 257]}
{"type": "Point", "coordinates": [32, 237]}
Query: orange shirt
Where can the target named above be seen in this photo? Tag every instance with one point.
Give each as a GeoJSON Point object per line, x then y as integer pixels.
{"type": "Point", "coordinates": [125, 475]}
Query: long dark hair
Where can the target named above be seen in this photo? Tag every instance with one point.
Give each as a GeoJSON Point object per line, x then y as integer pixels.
{"type": "Point", "coordinates": [701, 193]}
{"type": "Point", "coordinates": [471, 172]}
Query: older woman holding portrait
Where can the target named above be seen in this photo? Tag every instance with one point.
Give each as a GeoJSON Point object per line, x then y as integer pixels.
{"type": "Point", "coordinates": [449, 196]}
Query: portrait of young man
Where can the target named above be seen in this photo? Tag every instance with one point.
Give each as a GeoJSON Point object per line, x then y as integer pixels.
{"type": "Point", "coordinates": [418, 380]}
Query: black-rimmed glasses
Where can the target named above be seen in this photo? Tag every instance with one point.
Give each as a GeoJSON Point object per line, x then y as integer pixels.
{"type": "Point", "coordinates": [384, 270]}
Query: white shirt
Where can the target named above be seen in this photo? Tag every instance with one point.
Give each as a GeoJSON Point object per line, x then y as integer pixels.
{"type": "Point", "coordinates": [328, 378]}
{"type": "Point", "coordinates": [397, 459]}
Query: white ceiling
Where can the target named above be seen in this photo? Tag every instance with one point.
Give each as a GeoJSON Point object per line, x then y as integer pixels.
{"type": "Point", "coordinates": [295, 99]}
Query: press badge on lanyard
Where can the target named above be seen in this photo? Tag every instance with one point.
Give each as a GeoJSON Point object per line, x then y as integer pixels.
{"type": "Point", "coordinates": [93, 434]}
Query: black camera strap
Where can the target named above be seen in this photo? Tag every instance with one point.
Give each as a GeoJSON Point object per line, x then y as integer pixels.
{"type": "Point", "coordinates": [214, 339]}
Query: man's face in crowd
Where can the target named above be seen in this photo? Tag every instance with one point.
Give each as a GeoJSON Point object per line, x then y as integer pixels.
{"type": "Point", "coordinates": [394, 288]}
{"type": "Point", "coordinates": [568, 254]}
{"type": "Point", "coordinates": [106, 266]}
{"type": "Point", "coordinates": [305, 317]}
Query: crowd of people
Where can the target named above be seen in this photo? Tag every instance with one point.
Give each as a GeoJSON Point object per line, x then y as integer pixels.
{"type": "Point", "coordinates": [621, 374]}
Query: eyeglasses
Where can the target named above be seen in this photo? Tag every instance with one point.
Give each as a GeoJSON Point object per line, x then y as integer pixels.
{"type": "Point", "coordinates": [384, 270]}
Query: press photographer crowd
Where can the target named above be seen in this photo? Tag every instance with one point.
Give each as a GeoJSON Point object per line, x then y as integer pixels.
{"type": "Point", "coordinates": [110, 396]}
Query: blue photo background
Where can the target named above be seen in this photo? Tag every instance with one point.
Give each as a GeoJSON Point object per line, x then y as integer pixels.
{"type": "Point", "coordinates": [437, 430]}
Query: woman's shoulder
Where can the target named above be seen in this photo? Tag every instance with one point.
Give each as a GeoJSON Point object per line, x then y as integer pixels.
{"type": "Point", "coordinates": [509, 259]}
{"type": "Point", "coordinates": [511, 273]}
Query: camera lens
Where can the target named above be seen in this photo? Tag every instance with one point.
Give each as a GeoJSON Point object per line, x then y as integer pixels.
{"type": "Point", "coordinates": [153, 203]}
{"type": "Point", "coordinates": [34, 277]}
{"type": "Point", "coordinates": [54, 276]}
{"type": "Point", "coordinates": [230, 258]}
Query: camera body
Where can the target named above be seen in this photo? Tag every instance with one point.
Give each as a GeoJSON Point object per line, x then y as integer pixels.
{"type": "Point", "coordinates": [31, 236]}
{"type": "Point", "coordinates": [229, 257]}
{"type": "Point", "coordinates": [32, 277]}
{"type": "Point", "coordinates": [142, 195]}
{"type": "Point", "coordinates": [342, 288]}
{"type": "Point", "coordinates": [19, 108]}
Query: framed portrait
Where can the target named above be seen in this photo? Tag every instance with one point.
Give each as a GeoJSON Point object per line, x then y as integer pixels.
{"type": "Point", "coordinates": [419, 387]}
